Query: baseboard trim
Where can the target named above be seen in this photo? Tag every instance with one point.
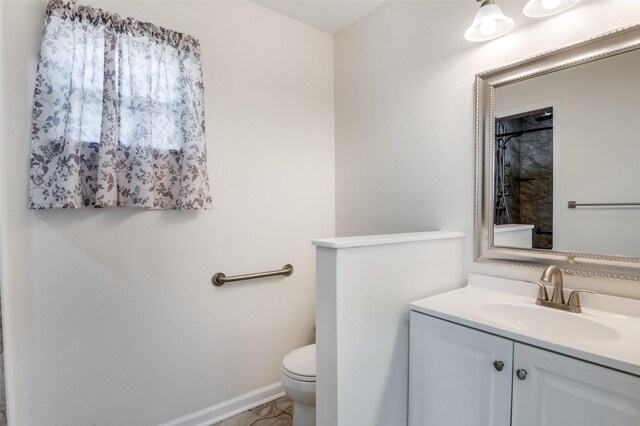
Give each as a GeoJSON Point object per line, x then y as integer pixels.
{"type": "Point", "coordinates": [229, 408]}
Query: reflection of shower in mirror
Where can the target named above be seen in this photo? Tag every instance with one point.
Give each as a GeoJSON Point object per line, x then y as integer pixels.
{"type": "Point", "coordinates": [523, 182]}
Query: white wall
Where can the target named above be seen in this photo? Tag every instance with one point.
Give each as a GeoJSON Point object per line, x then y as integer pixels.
{"type": "Point", "coordinates": [111, 317]}
{"type": "Point", "coordinates": [404, 84]}
{"type": "Point", "coordinates": [366, 285]}
{"type": "Point", "coordinates": [596, 150]}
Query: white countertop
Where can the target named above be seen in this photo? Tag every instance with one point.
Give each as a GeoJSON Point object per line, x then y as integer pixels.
{"type": "Point", "coordinates": [465, 305]}
{"type": "Point", "coordinates": [374, 240]}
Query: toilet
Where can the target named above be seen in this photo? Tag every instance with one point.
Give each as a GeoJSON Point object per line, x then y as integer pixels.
{"type": "Point", "coordinates": [298, 377]}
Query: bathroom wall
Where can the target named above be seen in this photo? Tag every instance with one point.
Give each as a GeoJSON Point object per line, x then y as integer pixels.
{"type": "Point", "coordinates": [110, 315]}
{"type": "Point", "coordinates": [405, 110]}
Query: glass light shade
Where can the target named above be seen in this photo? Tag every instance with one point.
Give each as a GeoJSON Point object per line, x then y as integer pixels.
{"type": "Point", "coordinates": [488, 24]}
{"type": "Point", "coordinates": [540, 8]}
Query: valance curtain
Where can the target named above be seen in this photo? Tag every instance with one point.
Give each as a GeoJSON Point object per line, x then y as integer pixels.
{"type": "Point", "coordinates": [118, 114]}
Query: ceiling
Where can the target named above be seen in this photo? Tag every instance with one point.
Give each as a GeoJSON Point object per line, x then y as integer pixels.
{"type": "Point", "coordinates": [330, 16]}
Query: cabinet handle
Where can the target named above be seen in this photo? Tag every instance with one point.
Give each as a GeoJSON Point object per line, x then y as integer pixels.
{"type": "Point", "coordinates": [521, 373]}
{"type": "Point", "coordinates": [498, 365]}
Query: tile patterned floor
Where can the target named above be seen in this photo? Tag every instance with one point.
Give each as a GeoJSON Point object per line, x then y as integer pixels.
{"type": "Point", "coordinates": [274, 413]}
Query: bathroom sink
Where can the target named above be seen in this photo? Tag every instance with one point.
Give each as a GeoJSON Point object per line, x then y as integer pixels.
{"type": "Point", "coordinates": [538, 320]}
{"type": "Point", "coordinates": [605, 333]}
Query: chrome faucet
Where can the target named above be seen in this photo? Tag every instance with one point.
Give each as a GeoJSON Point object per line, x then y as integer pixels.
{"type": "Point", "coordinates": [552, 275]}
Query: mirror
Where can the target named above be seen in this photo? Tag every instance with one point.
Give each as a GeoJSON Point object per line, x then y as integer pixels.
{"type": "Point", "coordinates": [558, 159]}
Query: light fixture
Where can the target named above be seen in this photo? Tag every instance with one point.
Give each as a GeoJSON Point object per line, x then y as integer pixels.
{"type": "Point", "coordinates": [540, 8]}
{"type": "Point", "coordinates": [489, 23]}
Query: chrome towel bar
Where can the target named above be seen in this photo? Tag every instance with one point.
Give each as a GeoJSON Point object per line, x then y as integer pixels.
{"type": "Point", "coordinates": [573, 204]}
{"type": "Point", "coordinates": [220, 278]}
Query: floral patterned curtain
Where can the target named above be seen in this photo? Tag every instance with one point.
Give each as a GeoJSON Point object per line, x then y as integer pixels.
{"type": "Point", "coordinates": [118, 114]}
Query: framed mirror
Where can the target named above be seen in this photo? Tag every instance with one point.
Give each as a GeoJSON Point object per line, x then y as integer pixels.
{"type": "Point", "coordinates": [558, 159]}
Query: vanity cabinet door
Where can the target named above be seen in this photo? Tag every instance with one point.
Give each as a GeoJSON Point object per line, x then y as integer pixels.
{"type": "Point", "coordinates": [452, 377]}
{"type": "Point", "coordinates": [562, 391]}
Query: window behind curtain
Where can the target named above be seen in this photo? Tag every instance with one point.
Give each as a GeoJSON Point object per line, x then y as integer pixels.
{"type": "Point", "coordinates": [118, 117]}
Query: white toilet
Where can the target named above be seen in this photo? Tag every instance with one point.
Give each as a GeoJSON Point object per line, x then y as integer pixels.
{"type": "Point", "coordinates": [299, 381]}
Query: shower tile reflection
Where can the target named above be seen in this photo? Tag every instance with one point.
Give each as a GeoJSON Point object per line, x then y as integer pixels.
{"type": "Point", "coordinates": [526, 175]}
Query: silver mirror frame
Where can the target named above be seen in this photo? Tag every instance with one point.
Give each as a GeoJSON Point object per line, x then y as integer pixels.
{"type": "Point", "coordinates": [593, 265]}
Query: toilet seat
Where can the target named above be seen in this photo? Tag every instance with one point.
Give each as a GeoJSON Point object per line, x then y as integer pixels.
{"type": "Point", "coordinates": [300, 364]}
{"type": "Point", "coordinates": [298, 377]}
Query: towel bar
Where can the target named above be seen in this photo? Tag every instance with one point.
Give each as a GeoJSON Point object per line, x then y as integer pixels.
{"type": "Point", "coordinates": [573, 204]}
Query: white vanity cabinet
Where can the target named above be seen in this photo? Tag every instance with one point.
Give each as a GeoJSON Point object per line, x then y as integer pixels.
{"type": "Point", "coordinates": [561, 391]}
{"type": "Point", "coordinates": [452, 379]}
{"type": "Point", "coordinates": [456, 379]}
